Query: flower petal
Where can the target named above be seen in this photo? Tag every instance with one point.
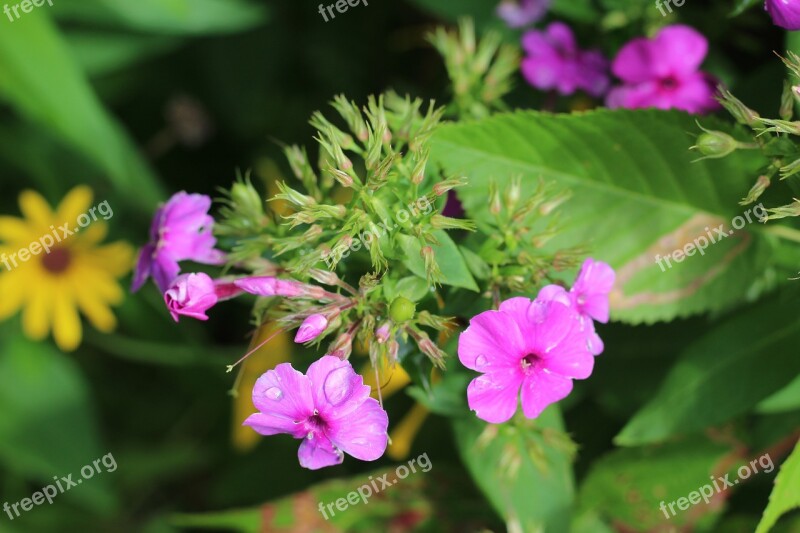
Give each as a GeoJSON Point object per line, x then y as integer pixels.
{"type": "Point", "coordinates": [36, 209]}
{"type": "Point", "coordinates": [74, 204]}
{"type": "Point", "coordinates": [336, 388]}
{"type": "Point", "coordinates": [67, 330]}
{"type": "Point", "coordinates": [363, 432]}
{"type": "Point", "coordinates": [678, 49]}
{"type": "Point", "coordinates": [284, 392]}
{"type": "Point", "coordinates": [540, 389]}
{"type": "Point", "coordinates": [318, 453]}
{"type": "Point", "coordinates": [493, 339]}
{"type": "Point", "coordinates": [494, 397]}
{"type": "Point", "coordinates": [270, 424]}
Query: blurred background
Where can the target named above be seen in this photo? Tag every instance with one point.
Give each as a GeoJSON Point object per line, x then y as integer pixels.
{"type": "Point", "coordinates": [138, 100]}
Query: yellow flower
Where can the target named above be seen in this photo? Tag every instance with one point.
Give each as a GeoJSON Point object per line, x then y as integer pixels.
{"type": "Point", "coordinates": [76, 274]}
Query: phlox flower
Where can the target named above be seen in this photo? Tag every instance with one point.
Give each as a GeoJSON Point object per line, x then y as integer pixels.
{"type": "Point", "coordinates": [784, 13]}
{"type": "Point", "coordinates": [329, 408]}
{"type": "Point", "coordinates": [193, 294]}
{"type": "Point", "coordinates": [181, 231]}
{"type": "Point", "coordinates": [521, 13]}
{"type": "Point", "coordinates": [311, 328]}
{"type": "Point", "coordinates": [663, 72]}
{"type": "Point", "coordinates": [554, 62]}
{"type": "Point", "coordinates": [537, 347]}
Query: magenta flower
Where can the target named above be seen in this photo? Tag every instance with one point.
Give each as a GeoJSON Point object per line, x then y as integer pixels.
{"type": "Point", "coordinates": [663, 73]}
{"type": "Point", "coordinates": [329, 409]}
{"type": "Point", "coordinates": [271, 286]}
{"type": "Point", "coordinates": [193, 294]}
{"type": "Point", "coordinates": [589, 297]}
{"type": "Point", "coordinates": [537, 346]}
{"type": "Point", "coordinates": [521, 13]}
{"type": "Point", "coordinates": [181, 231]}
{"type": "Point", "coordinates": [554, 62]}
{"type": "Point", "coordinates": [784, 13]}
{"type": "Point", "coordinates": [311, 328]}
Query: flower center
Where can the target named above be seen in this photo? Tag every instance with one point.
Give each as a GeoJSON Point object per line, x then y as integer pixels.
{"type": "Point", "coordinates": [57, 261]}
{"type": "Point", "coordinates": [669, 83]}
{"type": "Point", "coordinates": [530, 363]}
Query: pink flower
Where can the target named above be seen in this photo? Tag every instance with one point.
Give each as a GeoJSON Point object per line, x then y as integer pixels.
{"type": "Point", "coordinates": [329, 409]}
{"type": "Point", "coordinates": [520, 13]}
{"type": "Point", "coordinates": [554, 62]}
{"type": "Point", "coordinates": [784, 13]}
{"type": "Point", "coordinates": [663, 73]}
{"type": "Point", "coordinates": [537, 346]}
{"type": "Point", "coordinates": [311, 328]}
{"type": "Point", "coordinates": [589, 297]}
{"type": "Point", "coordinates": [193, 294]}
{"type": "Point", "coordinates": [181, 231]}
{"type": "Point", "coordinates": [270, 286]}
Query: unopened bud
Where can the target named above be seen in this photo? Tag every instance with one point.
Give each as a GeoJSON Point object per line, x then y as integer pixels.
{"type": "Point", "coordinates": [495, 202]}
{"type": "Point", "coordinates": [787, 102]}
{"type": "Point", "coordinates": [311, 328]}
{"type": "Point", "coordinates": [342, 346]}
{"type": "Point", "coordinates": [382, 333]}
{"type": "Point", "coordinates": [756, 191]}
{"type": "Point", "coordinates": [402, 309]}
{"type": "Point", "coordinates": [739, 111]}
{"type": "Point", "coordinates": [715, 144]}
{"type": "Point", "coordinates": [443, 187]}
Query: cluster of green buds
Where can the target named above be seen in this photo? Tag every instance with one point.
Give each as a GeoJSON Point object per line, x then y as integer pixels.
{"type": "Point", "coordinates": [366, 221]}
{"type": "Point", "coordinates": [481, 72]}
{"type": "Point", "coordinates": [775, 138]}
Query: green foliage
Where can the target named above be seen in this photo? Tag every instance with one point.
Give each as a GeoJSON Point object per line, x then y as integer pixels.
{"type": "Point", "coordinates": [785, 495]}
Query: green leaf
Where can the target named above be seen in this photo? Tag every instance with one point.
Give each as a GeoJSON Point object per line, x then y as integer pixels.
{"type": "Point", "coordinates": [42, 82]}
{"type": "Point", "coordinates": [636, 195]}
{"type": "Point", "coordinates": [744, 5]}
{"type": "Point", "coordinates": [100, 53]}
{"type": "Point", "coordinates": [168, 17]}
{"type": "Point", "coordinates": [454, 269]}
{"type": "Point", "coordinates": [785, 496]}
{"type": "Point", "coordinates": [523, 468]}
{"type": "Point", "coordinates": [47, 427]}
{"type": "Point", "coordinates": [723, 374]}
{"type": "Point", "coordinates": [626, 487]}
{"type": "Point", "coordinates": [785, 400]}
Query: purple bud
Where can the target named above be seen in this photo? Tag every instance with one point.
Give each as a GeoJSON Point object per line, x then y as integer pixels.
{"type": "Point", "coordinates": [311, 328]}
{"type": "Point", "coordinates": [784, 13]}
{"type": "Point", "coordinates": [271, 286]}
{"type": "Point", "coordinates": [382, 333]}
{"type": "Point", "coordinates": [191, 295]}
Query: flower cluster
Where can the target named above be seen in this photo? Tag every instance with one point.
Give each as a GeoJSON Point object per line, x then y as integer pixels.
{"type": "Point", "coordinates": [537, 346]}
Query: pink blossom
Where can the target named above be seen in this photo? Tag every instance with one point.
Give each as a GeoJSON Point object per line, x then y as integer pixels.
{"type": "Point", "coordinates": [536, 346]}
{"type": "Point", "coordinates": [663, 72]}
{"type": "Point", "coordinates": [520, 13]}
{"type": "Point", "coordinates": [191, 295]}
{"type": "Point", "coordinates": [311, 328]}
{"type": "Point", "coordinates": [784, 13]}
{"type": "Point", "coordinates": [271, 286]}
{"type": "Point", "coordinates": [554, 62]}
{"type": "Point", "coordinates": [329, 409]}
{"type": "Point", "coordinates": [181, 231]}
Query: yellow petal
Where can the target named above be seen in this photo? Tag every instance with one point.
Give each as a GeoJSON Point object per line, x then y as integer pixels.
{"type": "Point", "coordinates": [92, 235]}
{"type": "Point", "coordinates": [12, 294]}
{"type": "Point", "coordinates": [116, 258]}
{"type": "Point", "coordinates": [36, 315]}
{"type": "Point", "coordinates": [36, 209]}
{"type": "Point", "coordinates": [95, 309]}
{"type": "Point", "coordinates": [66, 322]}
{"type": "Point", "coordinates": [402, 437]}
{"type": "Point", "coordinates": [76, 202]}
{"type": "Point", "coordinates": [15, 230]}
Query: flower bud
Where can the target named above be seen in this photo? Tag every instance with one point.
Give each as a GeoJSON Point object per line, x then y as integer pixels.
{"type": "Point", "coordinates": [382, 333]}
{"type": "Point", "coordinates": [402, 309]}
{"type": "Point", "coordinates": [311, 328]}
{"type": "Point", "coordinates": [715, 144]}
{"type": "Point", "coordinates": [191, 295]}
{"type": "Point", "coordinates": [787, 102]}
{"type": "Point", "coordinates": [342, 347]}
{"type": "Point", "coordinates": [739, 111]}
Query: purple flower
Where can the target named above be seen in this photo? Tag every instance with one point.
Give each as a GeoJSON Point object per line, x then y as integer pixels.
{"type": "Point", "coordinates": [271, 286]}
{"type": "Point", "coordinates": [536, 346]}
{"type": "Point", "coordinates": [181, 231]}
{"type": "Point", "coordinates": [191, 295]}
{"type": "Point", "coordinates": [329, 409]}
{"type": "Point", "coordinates": [554, 62]}
{"type": "Point", "coordinates": [520, 13]}
{"type": "Point", "coordinates": [311, 328]}
{"type": "Point", "coordinates": [589, 297]}
{"type": "Point", "coordinates": [784, 13]}
{"type": "Point", "coordinates": [663, 73]}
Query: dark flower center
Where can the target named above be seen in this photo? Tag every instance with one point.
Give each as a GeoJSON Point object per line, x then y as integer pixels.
{"type": "Point", "coordinates": [530, 363]}
{"type": "Point", "coordinates": [669, 83]}
{"type": "Point", "coordinates": [57, 261]}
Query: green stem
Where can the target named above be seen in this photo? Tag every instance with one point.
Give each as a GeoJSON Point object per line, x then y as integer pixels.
{"type": "Point", "coordinates": [784, 232]}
